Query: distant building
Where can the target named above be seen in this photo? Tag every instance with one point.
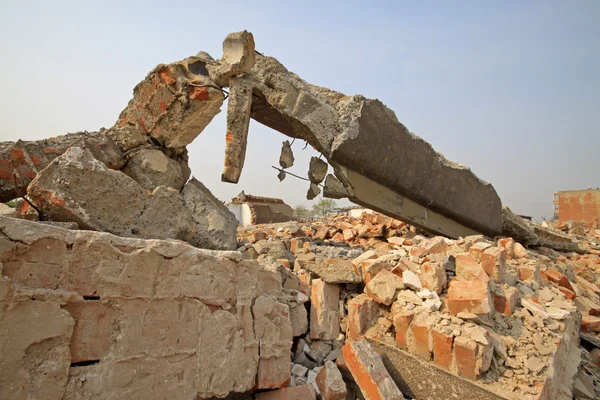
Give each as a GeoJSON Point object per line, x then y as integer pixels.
{"type": "Point", "coordinates": [578, 205]}
{"type": "Point", "coordinates": [252, 210]}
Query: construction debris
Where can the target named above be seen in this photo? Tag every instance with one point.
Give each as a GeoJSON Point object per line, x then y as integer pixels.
{"type": "Point", "coordinates": [363, 307]}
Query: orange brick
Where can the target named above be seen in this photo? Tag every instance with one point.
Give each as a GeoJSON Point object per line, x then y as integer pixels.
{"type": "Point", "coordinates": [465, 351]}
{"type": "Point", "coordinates": [420, 333]}
{"type": "Point", "coordinates": [402, 320]}
{"type": "Point", "coordinates": [469, 296]}
{"type": "Point", "coordinates": [442, 348]}
{"type": "Point", "coordinates": [94, 326]}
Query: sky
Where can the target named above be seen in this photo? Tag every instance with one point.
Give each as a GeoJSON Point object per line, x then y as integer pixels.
{"type": "Point", "coordinates": [509, 88]}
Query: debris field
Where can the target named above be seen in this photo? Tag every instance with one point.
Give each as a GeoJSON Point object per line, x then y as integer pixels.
{"type": "Point", "coordinates": [123, 277]}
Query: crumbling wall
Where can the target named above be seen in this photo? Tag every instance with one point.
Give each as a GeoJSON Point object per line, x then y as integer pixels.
{"type": "Point", "coordinates": [90, 315]}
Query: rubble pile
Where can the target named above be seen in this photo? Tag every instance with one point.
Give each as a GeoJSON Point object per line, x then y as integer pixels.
{"type": "Point", "coordinates": [120, 279]}
{"type": "Point", "coordinates": [489, 310]}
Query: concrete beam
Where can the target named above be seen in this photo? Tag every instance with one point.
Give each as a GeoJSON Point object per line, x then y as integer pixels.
{"type": "Point", "coordinates": [364, 136]}
{"type": "Point", "coordinates": [371, 194]}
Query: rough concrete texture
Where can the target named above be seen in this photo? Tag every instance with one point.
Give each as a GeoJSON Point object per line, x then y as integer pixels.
{"type": "Point", "coordinates": [76, 187]}
{"type": "Point", "coordinates": [175, 102]}
{"type": "Point", "coordinates": [21, 161]}
{"type": "Point", "coordinates": [313, 191]}
{"type": "Point", "coordinates": [532, 234]}
{"type": "Point", "coordinates": [317, 169]}
{"type": "Point", "coordinates": [215, 225]}
{"type": "Point", "coordinates": [152, 168]}
{"type": "Point", "coordinates": [238, 57]}
{"type": "Point", "coordinates": [174, 321]}
{"type": "Point", "coordinates": [286, 159]}
{"type": "Point", "coordinates": [238, 120]}
{"type": "Point", "coordinates": [364, 136]}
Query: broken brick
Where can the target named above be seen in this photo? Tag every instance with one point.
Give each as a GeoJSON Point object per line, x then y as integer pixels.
{"type": "Point", "coordinates": [362, 314]}
{"type": "Point", "coordinates": [469, 296]}
{"type": "Point", "coordinates": [368, 371]}
{"type": "Point", "coordinates": [442, 348]}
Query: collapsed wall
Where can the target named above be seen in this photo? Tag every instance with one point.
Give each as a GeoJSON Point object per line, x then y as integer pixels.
{"type": "Point", "coordinates": [90, 315]}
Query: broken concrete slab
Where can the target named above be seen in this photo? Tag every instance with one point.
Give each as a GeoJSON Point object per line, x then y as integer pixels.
{"type": "Point", "coordinates": [215, 225]}
{"type": "Point", "coordinates": [357, 133]}
{"type": "Point", "coordinates": [76, 187]}
{"type": "Point", "coordinates": [21, 161]}
{"type": "Point", "coordinates": [334, 189]}
{"type": "Point", "coordinates": [151, 168]}
{"type": "Point", "coordinates": [517, 228]}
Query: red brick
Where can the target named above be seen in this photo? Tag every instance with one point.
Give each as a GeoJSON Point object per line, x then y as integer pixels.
{"type": "Point", "coordinates": [590, 323]}
{"type": "Point", "coordinates": [477, 249]}
{"type": "Point", "coordinates": [568, 294]}
{"type": "Point", "coordinates": [519, 250]}
{"type": "Point", "coordinates": [468, 269]}
{"type": "Point", "coordinates": [505, 300]}
{"type": "Point", "coordinates": [348, 234]}
{"type": "Point", "coordinates": [558, 278]}
{"type": "Point", "coordinates": [469, 296]}
{"type": "Point", "coordinates": [368, 371]}
{"type": "Point", "coordinates": [465, 352]}
{"type": "Point", "coordinates": [442, 348]}
{"type": "Point", "coordinates": [322, 232]}
{"type": "Point", "coordinates": [338, 237]}
{"type": "Point", "coordinates": [509, 245]}
{"type": "Point", "coordinates": [324, 312]}
{"type": "Point", "coordinates": [420, 344]}
{"type": "Point", "coordinates": [417, 251]}
{"type": "Point", "coordinates": [402, 319]}
{"type": "Point", "coordinates": [198, 93]}
{"type": "Point", "coordinates": [304, 392]}
{"type": "Point", "coordinates": [273, 372]}
{"type": "Point", "coordinates": [370, 268]}
{"type": "Point", "coordinates": [284, 261]}
{"type": "Point", "coordinates": [256, 236]}
{"type": "Point", "coordinates": [296, 245]}
{"type": "Point", "coordinates": [493, 262]}
{"type": "Point", "coordinates": [95, 324]}
{"type": "Point", "coordinates": [362, 314]}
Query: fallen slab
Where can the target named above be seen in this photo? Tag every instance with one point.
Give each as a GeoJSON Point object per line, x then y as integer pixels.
{"type": "Point", "coordinates": [21, 161]}
{"type": "Point", "coordinates": [76, 187]}
{"type": "Point", "coordinates": [365, 138]}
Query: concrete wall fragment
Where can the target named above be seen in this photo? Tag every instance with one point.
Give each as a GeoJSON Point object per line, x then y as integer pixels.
{"type": "Point", "coordinates": [176, 321]}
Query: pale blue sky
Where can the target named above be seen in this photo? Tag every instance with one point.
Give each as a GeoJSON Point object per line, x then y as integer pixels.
{"type": "Point", "coordinates": [509, 88]}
